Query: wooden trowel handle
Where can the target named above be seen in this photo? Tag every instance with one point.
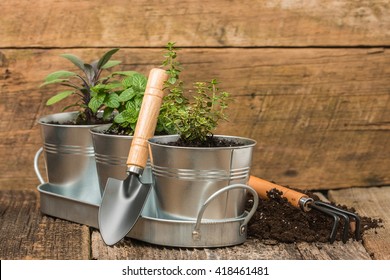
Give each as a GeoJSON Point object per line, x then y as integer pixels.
{"type": "Point", "coordinates": [147, 119]}
{"type": "Point", "coordinates": [262, 187]}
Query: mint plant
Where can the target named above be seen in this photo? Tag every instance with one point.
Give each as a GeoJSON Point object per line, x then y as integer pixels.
{"type": "Point", "coordinates": [193, 119]}
{"type": "Point", "coordinates": [128, 103]}
{"type": "Point", "coordinates": [88, 86]}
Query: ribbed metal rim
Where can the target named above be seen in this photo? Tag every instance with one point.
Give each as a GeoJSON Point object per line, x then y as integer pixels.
{"type": "Point", "coordinates": [197, 174]}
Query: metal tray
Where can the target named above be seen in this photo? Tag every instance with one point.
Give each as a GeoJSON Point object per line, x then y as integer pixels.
{"type": "Point", "coordinates": [63, 203]}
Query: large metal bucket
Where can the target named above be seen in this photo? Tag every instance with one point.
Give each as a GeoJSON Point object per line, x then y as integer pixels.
{"type": "Point", "coordinates": [69, 154]}
{"type": "Point", "coordinates": [111, 155]}
{"type": "Point", "coordinates": [184, 177]}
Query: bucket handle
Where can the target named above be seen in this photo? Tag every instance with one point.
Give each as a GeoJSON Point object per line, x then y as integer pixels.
{"type": "Point", "coordinates": [196, 235]}
{"type": "Point", "coordinates": [36, 165]}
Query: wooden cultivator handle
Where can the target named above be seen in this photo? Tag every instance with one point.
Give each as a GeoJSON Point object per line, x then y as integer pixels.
{"type": "Point", "coordinates": [262, 187]}
{"type": "Point", "coordinates": [147, 120]}
{"type": "Point", "coordinates": [352, 221]}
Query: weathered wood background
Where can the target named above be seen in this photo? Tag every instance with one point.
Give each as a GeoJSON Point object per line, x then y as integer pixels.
{"type": "Point", "coordinates": [310, 77]}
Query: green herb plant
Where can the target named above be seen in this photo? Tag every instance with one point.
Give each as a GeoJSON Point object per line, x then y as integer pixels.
{"type": "Point", "coordinates": [92, 89]}
{"type": "Point", "coordinates": [195, 118]}
{"type": "Point", "coordinates": [129, 99]}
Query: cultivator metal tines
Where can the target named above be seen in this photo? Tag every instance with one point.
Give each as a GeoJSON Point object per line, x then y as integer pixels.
{"type": "Point", "coordinates": [336, 213]}
{"type": "Point", "coordinates": [340, 216]}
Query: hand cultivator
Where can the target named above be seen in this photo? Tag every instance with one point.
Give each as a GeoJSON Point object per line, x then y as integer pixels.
{"type": "Point", "coordinates": [305, 203]}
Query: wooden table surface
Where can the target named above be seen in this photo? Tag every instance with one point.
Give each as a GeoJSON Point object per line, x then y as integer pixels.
{"type": "Point", "coordinates": [27, 234]}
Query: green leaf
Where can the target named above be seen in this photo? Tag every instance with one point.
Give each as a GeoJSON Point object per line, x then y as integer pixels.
{"type": "Point", "coordinates": [127, 82]}
{"type": "Point", "coordinates": [120, 118]}
{"type": "Point", "coordinates": [59, 96]}
{"type": "Point", "coordinates": [131, 106]}
{"type": "Point", "coordinates": [89, 72]}
{"type": "Point", "coordinates": [123, 73]}
{"type": "Point", "coordinates": [172, 80]}
{"type": "Point", "coordinates": [127, 94]}
{"type": "Point", "coordinates": [134, 105]}
{"type": "Point", "coordinates": [139, 81]}
{"type": "Point", "coordinates": [114, 84]}
{"type": "Point", "coordinates": [105, 58]}
{"type": "Point", "coordinates": [107, 113]}
{"type": "Point", "coordinates": [75, 60]}
{"type": "Point", "coordinates": [56, 81]}
{"type": "Point", "coordinates": [138, 102]}
{"type": "Point", "coordinates": [111, 63]}
{"type": "Point", "coordinates": [179, 100]}
{"type": "Point", "coordinates": [125, 124]}
{"type": "Point", "coordinates": [106, 87]}
{"type": "Point", "coordinates": [112, 100]}
{"type": "Point", "coordinates": [96, 89]}
{"type": "Point", "coordinates": [62, 74]}
{"type": "Point", "coordinates": [96, 102]}
{"type": "Point", "coordinates": [126, 116]}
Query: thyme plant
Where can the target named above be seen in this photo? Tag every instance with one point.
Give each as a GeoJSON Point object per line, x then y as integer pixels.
{"type": "Point", "coordinates": [194, 119]}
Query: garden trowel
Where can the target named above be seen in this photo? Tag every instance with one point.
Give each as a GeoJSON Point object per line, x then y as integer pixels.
{"type": "Point", "coordinates": [123, 201]}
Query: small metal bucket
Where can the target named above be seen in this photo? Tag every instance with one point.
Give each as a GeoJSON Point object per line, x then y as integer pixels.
{"type": "Point", "coordinates": [111, 155]}
{"type": "Point", "coordinates": [69, 154]}
{"type": "Point", "coordinates": [184, 177]}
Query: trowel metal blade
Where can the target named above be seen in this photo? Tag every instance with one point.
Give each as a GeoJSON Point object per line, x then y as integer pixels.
{"type": "Point", "coordinates": [121, 206]}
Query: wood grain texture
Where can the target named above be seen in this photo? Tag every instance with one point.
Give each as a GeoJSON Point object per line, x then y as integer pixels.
{"type": "Point", "coordinates": [26, 234]}
{"type": "Point", "coordinates": [252, 249]}
{"type": "Point", "coordinates": [321, 117]}
{"type": "Point", "coordinates": [352, 250]}
{"type": "Point", "coordinates": [133, 249]}
{"type": "Point", "coordinates": [374, 203]}
{"type": "Point", "coordinates": [147, 118]}
{"type": "Point", "coordinates": [216, 23]}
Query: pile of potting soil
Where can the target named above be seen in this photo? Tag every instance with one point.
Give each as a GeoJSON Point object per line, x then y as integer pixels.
{"type": "Point", "coordinates": [276, 220]}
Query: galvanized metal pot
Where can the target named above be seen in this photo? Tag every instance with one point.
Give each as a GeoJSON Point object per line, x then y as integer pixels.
{"type": "Point", "coordinates": [111, 155]}
{"type": "Point", "coordinates": [69, 155]}
{"type": "Point", "coordinates": [184, 177]}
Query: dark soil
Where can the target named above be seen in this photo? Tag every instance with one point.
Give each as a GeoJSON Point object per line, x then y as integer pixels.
{"type": "Point", "coordinates": [115, 129]}
{"type": "Point", "coordinates": [276, 220]}
{"type": "Point", "coordinates": [118, 130]}
{"type": "Point", "coordinates": [74, 122]}
{"type": "Point", "coordinates": [211, 142]}
{"type": "Point", "coordinates": [83, 120]}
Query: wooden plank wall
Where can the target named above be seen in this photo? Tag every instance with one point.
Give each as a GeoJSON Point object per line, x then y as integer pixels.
{"type": "Point", "coordinates": [310, 78]}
